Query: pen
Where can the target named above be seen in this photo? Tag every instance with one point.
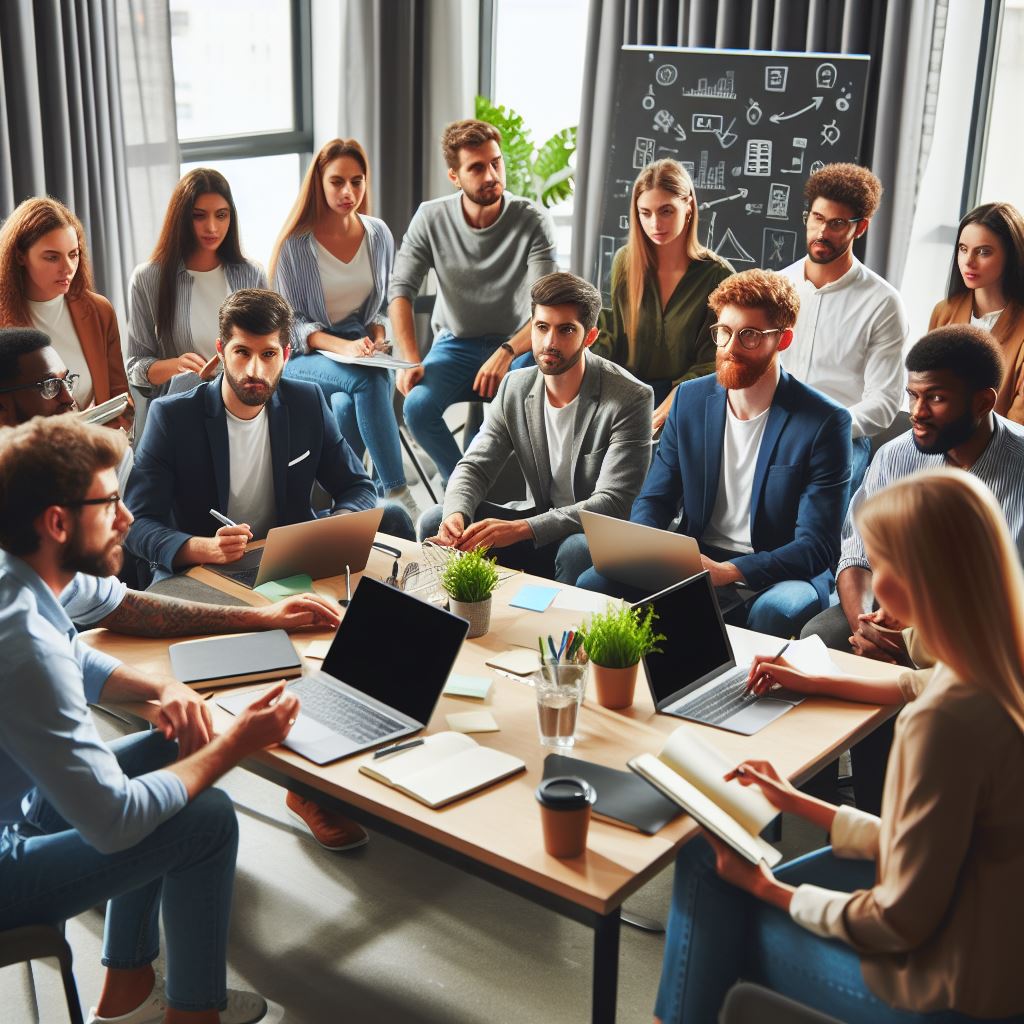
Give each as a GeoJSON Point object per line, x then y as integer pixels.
{"type": "Point", "coordinates": [221, 519]}
{"type": "Point", "coordinates": [395, 748]}
{"type": "Point", "coordinates": [348, 584]}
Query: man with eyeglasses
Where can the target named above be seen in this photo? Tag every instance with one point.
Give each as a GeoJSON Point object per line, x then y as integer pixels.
{"type": "Point", "coordinates": [849, 337]}
{"type": "Point", "coordinates": [755, 465]}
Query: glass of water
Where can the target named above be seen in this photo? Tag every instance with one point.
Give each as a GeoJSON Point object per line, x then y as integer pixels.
{"type": "Point", "coordinates": [559, 691]}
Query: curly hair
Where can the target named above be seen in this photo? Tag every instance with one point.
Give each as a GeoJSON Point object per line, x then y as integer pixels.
{"type": "Point", "coordinates": [466, 134]}
{"type": "Point", "coordinates": [849, 184]}
{"type": "Point", "coordinates": [758, 289]}
{"type": "Point", "coordinates": [969, 353]}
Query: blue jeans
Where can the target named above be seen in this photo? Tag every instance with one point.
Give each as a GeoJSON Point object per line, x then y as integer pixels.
{"type": "Point", "coordinates": [563, 561]}
{"type": "Point", "coordinates": [450, 368]}
{"type": "Point", "coordinates": [718, 933]}
{"type": "Point", "coordinates": [361, 402]}
{"type": "Point", "coordinates": [186, 867]}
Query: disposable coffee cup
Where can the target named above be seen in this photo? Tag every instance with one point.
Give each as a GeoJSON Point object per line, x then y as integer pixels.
{"type": "Point", "coordinates": [565, 803]}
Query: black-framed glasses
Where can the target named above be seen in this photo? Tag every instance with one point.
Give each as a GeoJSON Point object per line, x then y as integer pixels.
{"type": "Point", "coordinates": [48, 387]}
{"type": "Point", "coordinates": [836, 225]}
{"type": "Point", "coordinates": [749, 337]}
{"type": "Point", "coordinates": [110, 499]}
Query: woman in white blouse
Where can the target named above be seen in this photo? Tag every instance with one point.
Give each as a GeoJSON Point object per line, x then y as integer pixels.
{"type": "Point", "coordinates": [332, 263]}
{"type": "Point", "coordinates": [176, 297]}
{"type": "Point", "coordinates": [46, 283]}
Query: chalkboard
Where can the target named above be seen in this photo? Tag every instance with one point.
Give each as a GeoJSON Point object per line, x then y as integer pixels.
{"type": "Point", "coordinates": [750, 127]}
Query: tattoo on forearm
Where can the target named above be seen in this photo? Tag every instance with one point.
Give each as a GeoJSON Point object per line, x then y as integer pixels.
{"type": "Point", "coordinates": [141, 614]}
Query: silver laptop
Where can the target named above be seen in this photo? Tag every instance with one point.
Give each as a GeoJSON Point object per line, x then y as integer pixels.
{"type": "Point", "coordinates": [319, 548]}
{"type": "Point", "coordinates": [696, 676]}
{"type": "Point", "coordinates": [381, 679]}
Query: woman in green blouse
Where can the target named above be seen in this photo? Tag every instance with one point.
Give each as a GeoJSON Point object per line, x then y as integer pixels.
{"type": "Point", "coordinates": [661, 279]}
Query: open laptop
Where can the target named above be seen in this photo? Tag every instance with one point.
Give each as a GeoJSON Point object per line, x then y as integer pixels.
{"type": "Point", "coordinates": [381, 679]}
{"type": "Point", "coordinates": [319, 548]}
{"type": "Point", "coordinates": [696, 676]}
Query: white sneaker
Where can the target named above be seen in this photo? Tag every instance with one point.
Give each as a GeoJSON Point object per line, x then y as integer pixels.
{"type": "Point", "coordinates": [242, 1008]}
{"type": "Point", "coordinates": [405, 498]}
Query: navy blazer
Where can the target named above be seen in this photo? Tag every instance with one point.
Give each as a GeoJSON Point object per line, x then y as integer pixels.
{"type": "Point", "coordinates": [182, 466]}
{"type": "Point", "coordinates": [800, 481]}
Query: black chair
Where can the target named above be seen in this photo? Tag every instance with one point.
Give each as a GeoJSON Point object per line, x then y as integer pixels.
{"type": "Point", "coordinates": [747, 1003]}
{"type": "Point", "coordinates": [40, 942]}
{"type": "Point", "coordinates": [900, 425]}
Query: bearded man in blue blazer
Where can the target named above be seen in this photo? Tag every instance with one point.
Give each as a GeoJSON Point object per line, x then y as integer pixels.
{"type": "Point", "coordinates": [755, 464]}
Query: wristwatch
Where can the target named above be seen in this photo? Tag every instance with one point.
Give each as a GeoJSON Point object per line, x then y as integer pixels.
{"type": "Point", "coordinates": [508, 348]}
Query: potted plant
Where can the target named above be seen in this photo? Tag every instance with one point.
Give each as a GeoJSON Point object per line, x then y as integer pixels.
{"type": "Point", "coordinates": [615, 641]}
{"type": "Point", "coordinates": [469, 579]}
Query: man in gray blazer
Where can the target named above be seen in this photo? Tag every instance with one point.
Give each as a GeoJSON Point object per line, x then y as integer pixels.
{"type": "Point", "coordinates": [579, 426]}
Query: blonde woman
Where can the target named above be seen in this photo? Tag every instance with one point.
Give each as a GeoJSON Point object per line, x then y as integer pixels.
{"type": "Point", "coordinates": [658, 326]}
{"type": "Point", "coordinates": [913, 916]}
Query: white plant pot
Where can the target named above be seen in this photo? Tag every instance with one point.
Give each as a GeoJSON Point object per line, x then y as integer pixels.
{"type": "Point", "coordinates": [477, 612]}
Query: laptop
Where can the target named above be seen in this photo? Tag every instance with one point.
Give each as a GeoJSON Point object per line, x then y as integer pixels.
{"type": "Point", "coordinates": [318, 548]}
{"type": "Point", "coordinates": [696, 676]}
{"type": "Point", "coordinates": [381, 679]}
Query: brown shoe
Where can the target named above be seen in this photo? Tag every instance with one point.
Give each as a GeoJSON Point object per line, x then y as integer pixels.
{"type": "Point", "coordinates": [330, 829]}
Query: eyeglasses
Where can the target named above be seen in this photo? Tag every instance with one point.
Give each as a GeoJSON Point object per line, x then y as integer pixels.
{"type": "Point", "coordinates": [749, 337]}
{"type": "Point", "coordinates": [110, 499]}
{"type": "Point", "coordinates": [837, 225]}
{"type": "Point", "coordinates": [48, 387]}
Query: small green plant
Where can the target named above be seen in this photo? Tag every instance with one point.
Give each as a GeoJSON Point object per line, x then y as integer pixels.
{"type": "Point", "coordinates": [470, 577]}
{"type": "Point", "coordinates": [621, 636]}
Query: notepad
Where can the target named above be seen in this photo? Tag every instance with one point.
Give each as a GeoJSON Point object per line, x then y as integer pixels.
{"type": "Point", "coordinates": [232, 660]}
{"type": "Point", "coordinates": [467, 686]}
{"type": "Point", "coordinates": [277, 590]}
{"type": "Point", "coordinates": [472, 721]}
{"type": "Point", "coordinates": [520, 662]}
{"type": "Point", "coordinates": [317, 649]}
{"type": "Point", "coordinates": [534, 598]}
{"type": "Point", "coordinates": [446, 766]}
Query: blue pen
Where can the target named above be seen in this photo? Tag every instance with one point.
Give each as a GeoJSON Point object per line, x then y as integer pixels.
{"type": "Point", "coordinates": [561, 648]}
{"type": "Point", "coordinates": [554, 653]}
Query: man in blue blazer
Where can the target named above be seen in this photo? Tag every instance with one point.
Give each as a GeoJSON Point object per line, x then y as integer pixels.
{"type": "Point", "coordinates": [248, 444]}
{"type": "Point", "coordinates": [756, 464]}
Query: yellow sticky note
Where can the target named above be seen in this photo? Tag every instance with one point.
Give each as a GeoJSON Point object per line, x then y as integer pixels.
{"type": "Point", "coordinates": [472, 721]}
{"type": "Point", "coordinates": [317, 649]}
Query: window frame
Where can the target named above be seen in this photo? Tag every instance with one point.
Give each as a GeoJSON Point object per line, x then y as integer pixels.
{"type": "Point", "coordinates": [981, 112]}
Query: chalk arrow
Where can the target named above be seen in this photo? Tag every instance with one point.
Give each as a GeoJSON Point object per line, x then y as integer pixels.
{"type": "Point", "coordinates": [740, 193]}
{"type": "Point", "coordinates": [813, 105]}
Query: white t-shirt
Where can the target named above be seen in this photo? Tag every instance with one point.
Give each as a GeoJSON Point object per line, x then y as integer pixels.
{"type": "Point", "coordinates": [346, 285]}
{"type": "Point", "coordinates": [987, 321]}
{"type": "Point", "coordinates": [729, 526]}
{"type": "Point", "coordinates": [209, 290]}
{"type": "Point", "coordinates": [54, 320]}
{"type": "Point", "coordinates": [251, 489]}
{"type": "Point", "coordinates": [558, 424]}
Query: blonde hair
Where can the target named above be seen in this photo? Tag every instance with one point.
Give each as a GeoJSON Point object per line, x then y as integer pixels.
{"type": "Point", "coordinates": [669, 176]}
{"type": "Point", "coordinates": [944, 534]}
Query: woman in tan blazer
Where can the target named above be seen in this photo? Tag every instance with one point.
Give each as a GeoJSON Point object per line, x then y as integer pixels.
{"type": "Point", "coordinates": [46, 283]}
{"type": "Point", "coordinates": [986, 288]}
{"type": "Point", "coordinates": [913, 916]}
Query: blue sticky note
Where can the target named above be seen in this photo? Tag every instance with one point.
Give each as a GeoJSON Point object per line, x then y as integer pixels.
{"type": "Point", "coordinates": [534, 598]}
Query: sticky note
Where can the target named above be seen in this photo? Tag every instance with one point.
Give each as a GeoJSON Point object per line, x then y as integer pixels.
{"type": "Point", "coordinates": [317, 649]}
{"type": "Point", "coordinates": [472, 721]}
{"type": "Point", "coordinates": [275, 590]}
{"type": "Point", "coordinates": [467, 686]}
{"type": "Point", "coordinates": [520, 662]}
{"type": "Point", "coordinates": [534, 598]}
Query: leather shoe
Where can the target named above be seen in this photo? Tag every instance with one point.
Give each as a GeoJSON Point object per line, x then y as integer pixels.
{"type": "Point", "coordinates": [333, 831]}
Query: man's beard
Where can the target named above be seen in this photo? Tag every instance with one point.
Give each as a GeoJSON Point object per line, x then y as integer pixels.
{"type": "Point", "coordinates": [247, 393]}
{"type": "Point", "coordinates": [561, 365]}
{"type": "Point", "coordinates": [108, 562]}
{"type": "Point", "coordinates": [735, 375]}
{"type": "Point", "coordinates": [950, 436]}
{"type": "Point", "coordinates": [833, 252]}
{"type": "Point", "coordinates": [485, 197]}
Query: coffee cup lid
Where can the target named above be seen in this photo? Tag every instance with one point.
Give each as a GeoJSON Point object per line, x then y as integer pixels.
{"type": "Point", "coordinates": [566, 793]}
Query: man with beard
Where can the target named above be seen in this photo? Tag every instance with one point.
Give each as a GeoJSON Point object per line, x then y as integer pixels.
{"type": "Point", "coordinates": [579, 426]}
{"type": "Point", "coordinates": [134, 823]}
{"type": "Point", "coordinates": [852, 326]}
{"type": "Point", "coordinates": [486, 247]}
{"type": "Point", "coordinates": [755, 464]}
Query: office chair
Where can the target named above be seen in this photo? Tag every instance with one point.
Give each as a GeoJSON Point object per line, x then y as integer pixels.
{"type": "Point", "coordinates": [747, 1003]}
{"type": "Point", "coordinates": [39, 942]}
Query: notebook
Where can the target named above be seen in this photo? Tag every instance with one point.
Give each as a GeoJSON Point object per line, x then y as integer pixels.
{"type": "Point", "coordinates": [381, 679]}
{"type": "Point", "coordinates": [233, 660]}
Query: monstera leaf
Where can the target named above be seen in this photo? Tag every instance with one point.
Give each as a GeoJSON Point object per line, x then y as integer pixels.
{"type": "Point", "coordinates": [553, 174]}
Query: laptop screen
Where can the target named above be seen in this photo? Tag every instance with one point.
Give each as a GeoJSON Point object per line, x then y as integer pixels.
{"type": "Point", "coordinates": [395, 648]}
{"type": "Point", "coordinates": [696, 645]}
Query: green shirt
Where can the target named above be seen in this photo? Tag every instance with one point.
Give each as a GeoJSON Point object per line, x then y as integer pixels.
{"type": "Point", "coordinates": [672, 344]}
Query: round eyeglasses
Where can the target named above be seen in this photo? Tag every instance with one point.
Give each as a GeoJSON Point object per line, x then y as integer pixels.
{"type": "Point", "coordinates": [48, 387]}
{"type": "Point", "coordinates": [749, 337]}
{"type": "Point", "coordinates": [837, 225]}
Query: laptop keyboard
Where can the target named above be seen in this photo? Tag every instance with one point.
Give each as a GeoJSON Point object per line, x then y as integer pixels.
{"type": "Point", "coordinates": [724, 699]}
{"type": "Point", "coordinates": [247, 577]}
{"type": "Point", "coordinates": [341, 712]}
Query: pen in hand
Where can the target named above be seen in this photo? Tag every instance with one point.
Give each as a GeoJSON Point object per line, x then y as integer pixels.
{"type": "Point", "coordinates": [222, 518]}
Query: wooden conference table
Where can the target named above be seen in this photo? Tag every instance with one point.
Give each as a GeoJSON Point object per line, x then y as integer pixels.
{"type": "Point", "coordinates": [496, 834]}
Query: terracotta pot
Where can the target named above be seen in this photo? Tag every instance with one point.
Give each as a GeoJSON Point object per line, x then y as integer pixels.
{"type": "Point", "coordinates": [478, 613]}
{"type": "Point", "coordinates": [614, 686]}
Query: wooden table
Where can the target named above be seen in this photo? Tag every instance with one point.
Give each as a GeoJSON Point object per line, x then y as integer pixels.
{"type": "Point", "coordinates": [496, 834]}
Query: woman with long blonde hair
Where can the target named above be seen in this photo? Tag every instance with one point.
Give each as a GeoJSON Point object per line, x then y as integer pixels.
{"type": "Point", "coordinates": [915, 915]}
{"type": "Point", "coordinates": [332, 262]}
{"type": "Point", "coordinates": [659, 323]}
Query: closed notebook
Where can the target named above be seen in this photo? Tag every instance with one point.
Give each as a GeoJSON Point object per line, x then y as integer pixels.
{"type": "Point", "coordinates": [233, 660]}
{"type": "Point", "coordinates": [446, 766]}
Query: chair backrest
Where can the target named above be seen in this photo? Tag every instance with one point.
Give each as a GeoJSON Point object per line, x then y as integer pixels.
{"type": "Point", "coordinates": [41, 942]}
{"type": "Point", "coordinates": [900, 425]}
{"type": "Point", "coordinates": [747, 1003]}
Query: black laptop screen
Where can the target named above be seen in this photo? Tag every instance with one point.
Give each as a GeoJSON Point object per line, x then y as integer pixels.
{"type": "Point", "coordinates": [395, 648]}
{"type": "Point", "coordinates": [695, 641]}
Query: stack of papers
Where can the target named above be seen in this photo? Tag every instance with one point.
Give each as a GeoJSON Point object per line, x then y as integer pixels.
{"type": "Point", "coordinates": [105, 412]}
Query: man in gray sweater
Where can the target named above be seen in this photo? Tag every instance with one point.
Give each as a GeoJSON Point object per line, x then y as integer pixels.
{"type": "Point", "coordinates": [487, 247]}
{"type": "Point", "coordinates": [579, 426]}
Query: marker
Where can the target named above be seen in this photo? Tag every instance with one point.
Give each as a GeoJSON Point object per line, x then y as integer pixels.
{"type": "Point", "coordinates": [396, 748]}
{"type": "Point", "coordinates": [221, 519]}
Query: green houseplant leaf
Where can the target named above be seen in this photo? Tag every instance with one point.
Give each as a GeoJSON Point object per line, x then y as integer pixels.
{"type": "Point", "coordinates": [621, 636]}
{"type": "Point", "coordinates": [470, 577]}
{"type": "Point", "coordinates": [516, 146]}
{"type": "Point", "coordinates": [553, 174]}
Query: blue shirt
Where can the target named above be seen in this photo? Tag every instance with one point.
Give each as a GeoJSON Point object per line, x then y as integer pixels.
{"type": "Point", "coordinates": [88, 600]}
{"type": "Point", "coordinates": [47, 736]}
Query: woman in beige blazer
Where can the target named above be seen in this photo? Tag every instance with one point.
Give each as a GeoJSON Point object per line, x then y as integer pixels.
{"type": "Point", "coordinates": [914, 916]}
{"type": "Point", "coordinates": [986, 288]}
{"type": "Point", "coordinates": [46, 283]}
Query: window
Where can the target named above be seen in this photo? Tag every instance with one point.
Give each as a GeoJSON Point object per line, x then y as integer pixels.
{"type": "Point", "coordinates": [243, 91]}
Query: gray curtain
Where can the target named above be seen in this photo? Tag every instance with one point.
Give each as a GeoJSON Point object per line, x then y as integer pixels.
{"type": "Point", "coordinates": [87, 116]}
{"type": "Point", "coordinates": [905, 43]}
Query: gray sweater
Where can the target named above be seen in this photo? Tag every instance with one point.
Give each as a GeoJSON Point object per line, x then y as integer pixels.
{"type": "Point", "coordinates": [484, 274]}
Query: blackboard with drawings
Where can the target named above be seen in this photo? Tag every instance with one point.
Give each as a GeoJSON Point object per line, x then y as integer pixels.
{"type": "Point", "coordinates": [749, 126]}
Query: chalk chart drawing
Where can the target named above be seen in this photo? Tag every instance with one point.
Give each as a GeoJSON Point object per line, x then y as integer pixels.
{"type": "Point", "coordinates": [663, 121]}
{"type": "Point", "coordinates": [754, 208]}
{"type": "Point", "coordinates": [740, 193]}
{"type": "Point", "coordinates": [775, 78]}
{"type": "Point", "coordinates": [754, 112]}
{"type": "Point", "coordinates": [728, 137]}
{"type": "Point", "coordinates": [799, 142]}
{"type": "Point", "coordinates": [817, 166]}
{"type": "Point", "coordinates": [758, 163]}
{"type": "Point", "coordinates": [624, 222]}
{"type": "Point", "coordinates": [778, 201]}
{"type": "Point", "coordinates": [813, 105]}
{"type": "Point", "coordinates": [643, 153]}
{"type": "Point", "coordinates": [706, 123]}
{"type": "Point", "coordinates": [729, 248]}
{"type": "Point", "coordinates": [830, 133]}
{"type": "Point", "coordinates": [667, 151]}
{"type": "Point", "coordinates": [843, 100]}
{"type": "Point", "coordinates": [723, 89]}
{"type": "Point", "coordinates": [796, 164]}
{"type": "Point", "coordinates": [666, 74]}
{"type": "Point", "coordinates": [710, 176]}
{"type": "Point", "coordinates": [825, 76]}
{"type": "Point", "coordinates": [778, 248]}
{"type": "Point", "coordinates": [648, 101]}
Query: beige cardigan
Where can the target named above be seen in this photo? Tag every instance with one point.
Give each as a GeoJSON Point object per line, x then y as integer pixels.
{"type": "Point", "coordinates": [941, 927]}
